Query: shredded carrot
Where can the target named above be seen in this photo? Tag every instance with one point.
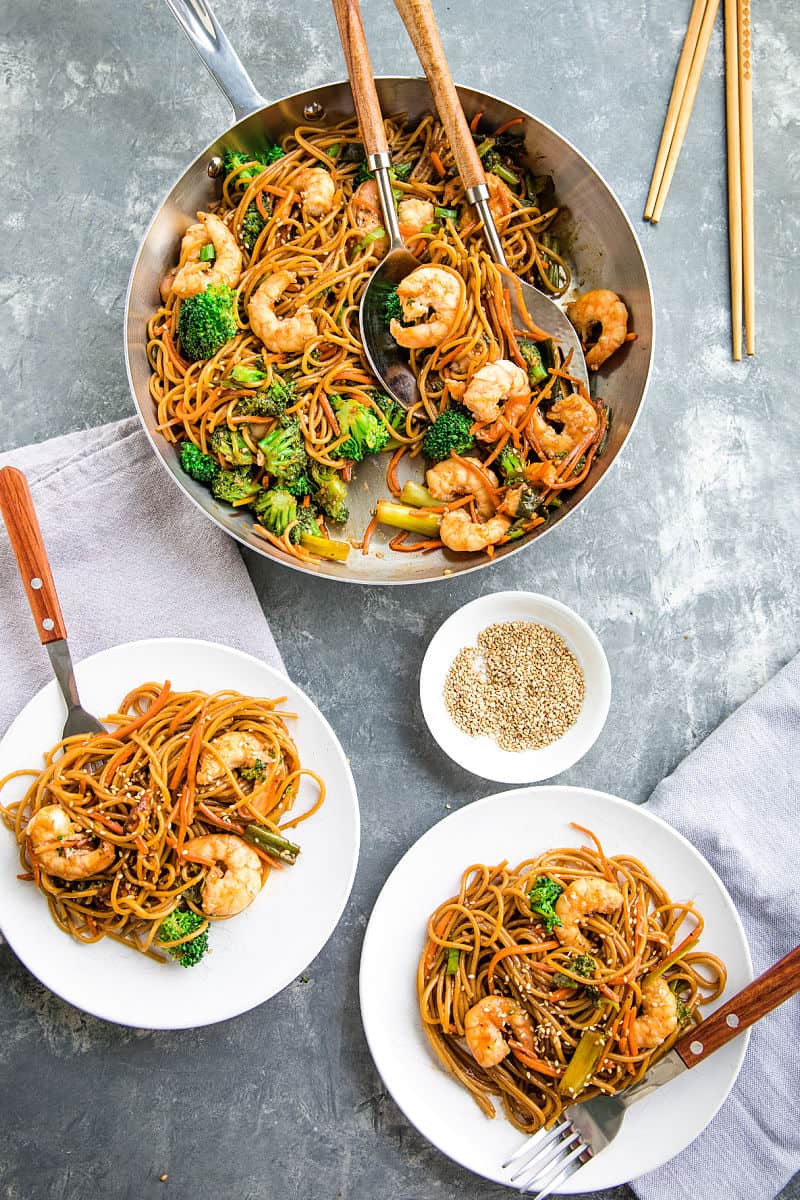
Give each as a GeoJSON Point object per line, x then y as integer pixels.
{"type": "Point", "coordinates": [347, 473]}
{"type": "Point", "coordinates": [437, 164]}
{"type": "Point", "coordinates": [391, 471]}
{"type": "Point", "coordinates": [231, 826]}
{"type": "Point", "coordinates": [177, 361]}
{"type": "Point", "coordinates": [522, 951]}
{"type": "Point", "coordinates": [536, 1064]}
{"type": "Point", "coordinates": [368, 532]}
{"type": "Point", "coordinates": [475, 122]}
{"type": "Point", "coordinates": [561, 994]}
{"type": "Point", "coordinates": [440, 929]}
{"type": "Point", "coordinates": [158, 703]}
{"type": "Point", "coordinates": [330, 414]}
{"type": "Point", "coordinates": [260, 206]}
{"type": "Point", "coordinates": [114, 826]}
{"type": "Point", "coordinates": [507, 125]}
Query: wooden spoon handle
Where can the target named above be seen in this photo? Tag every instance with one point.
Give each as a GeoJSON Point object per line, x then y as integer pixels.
{"type": "Point", "coordinates": [16, 505]}
{"type": "Point", "coordinates": [362, 81]}
{"type": "Point", "coordinates": [420, 22]}
{"type": "Point", "coordinates": [748, 1006]}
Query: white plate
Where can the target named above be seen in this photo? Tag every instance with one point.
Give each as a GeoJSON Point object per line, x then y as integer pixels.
{"type": "Point", "coordinates": [252, 956]}
{"type": "Point", "coordinates": [481, 755]}
{"type": "Point", "coordinates": [515, 825]}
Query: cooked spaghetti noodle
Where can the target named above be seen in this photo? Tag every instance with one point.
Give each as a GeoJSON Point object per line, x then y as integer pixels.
{"type": "Point", "coordinates": [571, 1004]}
{"type": "Point", "coordinates": [325, 253]}
{"type": "Point", "coordinates": [116, 829]}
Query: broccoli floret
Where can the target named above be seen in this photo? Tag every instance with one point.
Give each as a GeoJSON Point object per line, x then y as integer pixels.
{"type": "Point", "coordinates": [230, 445]}
{"type": "Point", "coordinates": [285, 455]}
{"type": "Point", "coordinates": [542, 898]}
{"type": "Point", "coordinates": [177, 925]}
{"type": "Point", "coordinates": [684, 1011]}
{"type": "Point", "coordinates": [330, 492]}
{"type": "Point", "coordinates": [252, 224]}
{"type": "Point", "coordinates": [395, 413]}
{"type": "Point", "coordinates": [234, 486]}
{"type": "Point", "coordinates": [255, 773]}
{"type": "Point", "coordinates": [365, 433]}
{"type": "Point", "coordinates": [512, 467]}
{"type": "Point", "coordinates": [392, 308]}
{"type": "Point", "coordinates": [581, 964]}
{"type": "Point", "coordinates": [275, 509]}
{"type": "Point", "coordinates": [269, 402]}
{"type": "Point", "coordinates": [206, 322]}
{"type": "Point", "coordinates": [450, 431]}
{"type": "Point", "coordinates": [196, 464]}
{"type": "Point", "coordinates": [307, 522]}
{"type": "Point", "coordinates": [537, 371]}
{"type": "Point", "coordinates": [362, 174]}
{"type": "Point", "coordinates": [233, 159]}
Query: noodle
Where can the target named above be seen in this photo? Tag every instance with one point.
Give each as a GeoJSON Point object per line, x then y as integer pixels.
{"type": "Point", "coordinates": [487, 941]}
{"type": "Point", "coordinates": [332, 259]}
{"type": "Point", "coordinates": [138, 791]}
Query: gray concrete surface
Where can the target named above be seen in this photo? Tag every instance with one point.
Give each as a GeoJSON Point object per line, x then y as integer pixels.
{"type": "Point", "coordinates": [685, 562]}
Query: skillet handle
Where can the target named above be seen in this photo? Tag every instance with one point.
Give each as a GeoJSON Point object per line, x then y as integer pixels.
{"type": "Point", "coordinates": [774, 987]}
{"type": "Point", "coordinates": [420, 22]}
{"type": "Point", "coordinates": [203, 30]}
{"type": "Point", "coordinates": [362, 81]}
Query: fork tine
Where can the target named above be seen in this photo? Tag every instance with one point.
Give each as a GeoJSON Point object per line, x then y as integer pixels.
{"type": "Point", "coordinates": [540, 1163]}
{"type": "Point", "coordinates": [554, 1177]}
{"type": "Point", "coordinates": [536, 1142]}
{"type": "Point", "coordinates": [569, 1170]}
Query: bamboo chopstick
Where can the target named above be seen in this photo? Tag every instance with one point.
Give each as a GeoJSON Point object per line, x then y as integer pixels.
{"type": "Point", "coordinates": [745, 71]}
{"type": "Point", "coordinates": [734, 170]}
{"type": "Point", "coordinates": [686, 105]}
{"type": "Point", "coordinates": [678, 88]}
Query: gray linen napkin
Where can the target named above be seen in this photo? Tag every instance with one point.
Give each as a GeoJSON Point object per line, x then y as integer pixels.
{"type": "Point", "coordinates": [737, 799]}
{"type": "Point", "coordinates": [132, 558]}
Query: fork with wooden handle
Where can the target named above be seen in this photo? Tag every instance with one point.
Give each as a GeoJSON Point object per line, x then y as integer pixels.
{"type": "Point", "coordinates": [19, 514]}
{"type": "Point", "coordinates": [543, 1162]}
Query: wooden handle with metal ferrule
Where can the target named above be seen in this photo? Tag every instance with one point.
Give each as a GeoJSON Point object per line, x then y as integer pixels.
{"type": "Point", "coordinates": [753, 1002]}
{"type": "Point", "coordinates": [16, 505]}
{"type": "Point", "coordinates": [420, 22]}
{"type": "Point", "coordinates": [362, 81]}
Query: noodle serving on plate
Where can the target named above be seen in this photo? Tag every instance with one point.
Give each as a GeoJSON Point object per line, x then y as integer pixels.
{"type": "Point", "coordinates": [174, 819]}
{"type": "Point", "coordinates": [558, 979]}
{"type": "Point", "coordinates": [260, 378]}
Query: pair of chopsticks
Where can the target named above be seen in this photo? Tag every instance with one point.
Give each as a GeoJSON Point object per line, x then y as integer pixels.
{"type": "Point", "coordinates": [739, 121]}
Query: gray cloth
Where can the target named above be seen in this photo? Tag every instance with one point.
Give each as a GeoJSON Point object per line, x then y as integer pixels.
{"type": "Point", "coordinates": [737, 799]}
{"type": "Point", "coordinates": [132, 558]}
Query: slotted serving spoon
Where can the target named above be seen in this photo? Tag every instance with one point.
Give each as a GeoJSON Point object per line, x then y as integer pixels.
{"type": "Point", "coordinates": [19, 514]}
{"type": "Point", "coordinates": [420, 22]}
{"type": "Point", "coordinates": [387, 360]}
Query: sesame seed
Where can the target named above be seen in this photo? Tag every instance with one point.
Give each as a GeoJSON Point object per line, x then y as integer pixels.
{"type": "Point", "coordinates": [521, 686]}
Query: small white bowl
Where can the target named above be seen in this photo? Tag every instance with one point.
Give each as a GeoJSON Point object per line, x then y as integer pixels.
{"type": "Point", "coordinates": [481, 755]}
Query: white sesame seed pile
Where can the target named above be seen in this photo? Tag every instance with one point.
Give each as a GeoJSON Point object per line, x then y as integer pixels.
{"type": "Point", "coordinates": [521, 685]}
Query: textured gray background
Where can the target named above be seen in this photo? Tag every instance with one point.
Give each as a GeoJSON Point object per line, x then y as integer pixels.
{"type": "Point", "coordinates": [684, 562]}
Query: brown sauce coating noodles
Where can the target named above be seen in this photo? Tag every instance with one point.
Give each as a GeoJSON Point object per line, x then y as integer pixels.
{"type": "Point", "coordinates": [486, 941]}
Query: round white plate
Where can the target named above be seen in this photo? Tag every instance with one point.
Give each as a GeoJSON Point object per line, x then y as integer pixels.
{"type": "Point", "coordinates": [515, 825]}
{"type": "Point", "coordinates": [481, 755]}
{"type": "Point", "coordinates": [252, 956]}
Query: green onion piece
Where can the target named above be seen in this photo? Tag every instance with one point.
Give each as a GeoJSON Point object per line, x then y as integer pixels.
{"type": "Point", "coordinates": [333, 151]}
{"type": "Point", "coordinates": [429, 228]}
{"type": "Point", "coordinates": [249, 375]}
{"type": "Point", "coordinates": [397, 193]}
{"type": "Point", "coordinates": [507, 175]}
{"type": "Point", "coordinates": [207, 253]}
{"type": "Point", "coordinates": [485, 146]}
{"type": "Point", "coordinates": [418, 496]}
{"type": "Point", "coordinates": [272, 843]}
{"type": "Point", "coordinates": [555, 502]}
{"type": "Point", "coordinates": [604, 438]}
{"type": "Point", "coordinates": [400, 516]}
{"type": "Point", "coordinates": [402, 171]}
{"type": "Point", "coordinates": [453, 959]}
{"type": "Point", "coordinates": [582, 1065]}
{"type": "Point", "coordinates": [446, 214]}
{"type": "Point", "coordinates": [325, 547]}
{"type": "Point", "coordinates": [374, 236]}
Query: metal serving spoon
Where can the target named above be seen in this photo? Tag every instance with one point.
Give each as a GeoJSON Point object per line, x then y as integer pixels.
{"type": "Point", "coordinates": [420, 22]}
{"type": "Point", "coordinates": [19, 514]}
{"type": "Point", "coordinates": [387, 360]}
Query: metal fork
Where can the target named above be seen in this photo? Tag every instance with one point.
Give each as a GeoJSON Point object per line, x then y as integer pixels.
{"type": "Point", "coordinates": [545, 1161]}
{"type": "Point", "coordinates": [19, 514]}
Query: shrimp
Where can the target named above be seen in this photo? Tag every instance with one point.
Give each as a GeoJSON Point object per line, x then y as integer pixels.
{"type": "Point", "coordinates": [368, 216]}
{"type": "Point", "coordinates": [282, 335]}
{"type": "Point", "coordinates": [604, 308]}
{"type": "Point", "coordinates": [583, 896]}
{"type": "Point", "coordinates": [235, 877]}
{"type": "Point", "coordinates": [236, 748]}
{"type": "Point", "coordinates": [413, 215]}
{"type": "Point", "coordinates": [493, 384]}
{"type": "Point", "coordinates": [432, 296]}
{"type": "Point", "coordinates": [317, 190]}
{"type": "Point", "coordinates": [453, 478]}
{"type": "Point", "coordinates": [659, 1014]}
{"type": "Point", "coordinates": [460, 533]}
{"type": "Point", "coordinates": [194, 276]}
{"type": "Point", "coordinates": [500, 196]}
{"type": "Point", "coordinates": [579, 418]}
{"type": "Point", "coordinates": [485, 1028]}
{"type": "Point", "coordinates": [63, 848]}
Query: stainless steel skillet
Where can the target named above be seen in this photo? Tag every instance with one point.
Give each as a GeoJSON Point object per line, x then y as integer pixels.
{"type": "Point", "coordinates": [603, 251]}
